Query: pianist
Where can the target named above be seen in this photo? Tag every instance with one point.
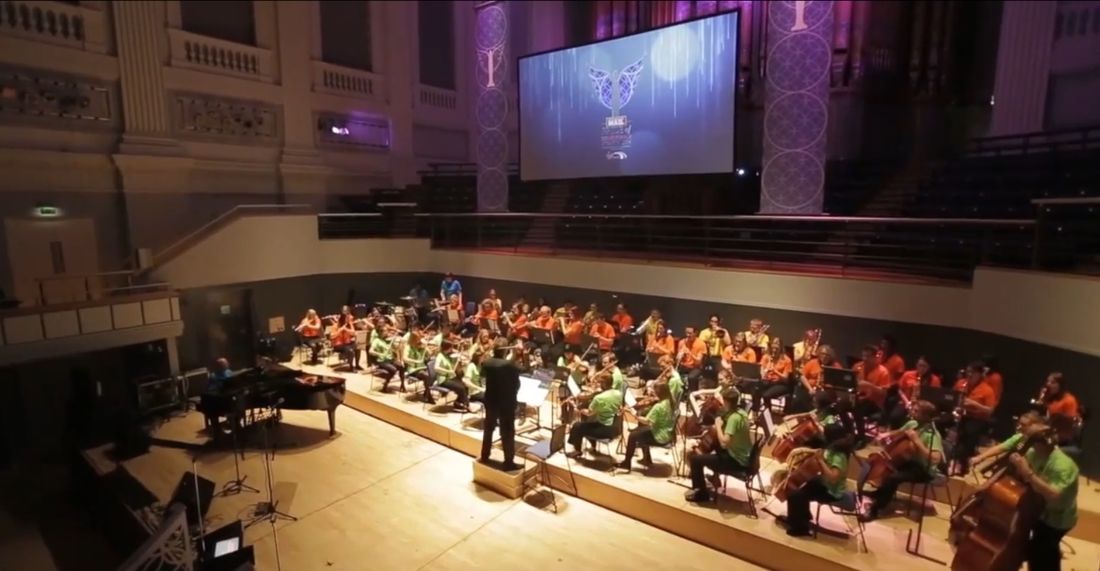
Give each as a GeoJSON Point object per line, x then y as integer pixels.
{"type": "Point", "coordinates": [218, 376]}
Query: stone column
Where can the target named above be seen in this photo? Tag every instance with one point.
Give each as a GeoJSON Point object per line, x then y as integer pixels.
{"type": "Point", "coordinates": [142, 51]}
{"type": "Point", "coordinates": [796, 106]}
{"type": "Point", "coordinates": [491, 109]}
{"type": "Point", "coordinates": [302, 175]}
{"type": "Point", "coordinates": [1023, 67]}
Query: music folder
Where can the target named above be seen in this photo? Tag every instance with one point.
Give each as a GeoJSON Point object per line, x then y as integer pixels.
{"type": "Point", "coordinates": [541, 336]}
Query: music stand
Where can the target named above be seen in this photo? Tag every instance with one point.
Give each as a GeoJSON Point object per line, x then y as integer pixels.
{"type": "Point", "coordinates": [269, 510]}
{"type": "Point", "coordinates": [237, 485]}
{"type": "Point", "coordinates": [745, 371]}
{"type": "Point", "coordinates": [836, 379]}
{"type": "Point", "coordinates": [533, 392]}
{"type": "Point", "coordinates": [542, 337]}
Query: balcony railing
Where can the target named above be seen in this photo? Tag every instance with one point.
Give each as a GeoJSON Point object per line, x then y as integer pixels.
{"type": "Point", "coordinates": [219, 56]}
{"type": "Point", "coordinates": [55, 23]}
{"type": "Point", "coordinates": [339, 80]}
{"type": "Point", "coordinates": [438, 98]}
{"type": "Point", "coordinates": [53, 290]}
{"type": "Point", "coordinates": [937, 249]}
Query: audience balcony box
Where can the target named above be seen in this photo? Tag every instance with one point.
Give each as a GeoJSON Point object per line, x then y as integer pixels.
{"type": "Point", "coordinates": [55, 23]}
{"type": "Point", "coordinates": [212, 55]}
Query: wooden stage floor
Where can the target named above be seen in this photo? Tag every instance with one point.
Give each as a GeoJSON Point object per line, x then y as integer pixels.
{"type": "Point", "coordinates": [374, 484]}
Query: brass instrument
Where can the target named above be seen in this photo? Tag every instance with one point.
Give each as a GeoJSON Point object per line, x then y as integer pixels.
{"type": "Point", "coordinates": [1041, 400]}
{"type": "Point", "coordinates": [753, 339]}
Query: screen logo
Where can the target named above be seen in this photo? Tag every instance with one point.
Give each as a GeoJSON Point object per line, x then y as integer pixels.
{"type": "Point", "coordinates": [614, 89]}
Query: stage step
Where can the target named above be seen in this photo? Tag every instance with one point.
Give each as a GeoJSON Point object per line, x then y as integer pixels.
{"type": "Point", "coordinates": [507, 484]}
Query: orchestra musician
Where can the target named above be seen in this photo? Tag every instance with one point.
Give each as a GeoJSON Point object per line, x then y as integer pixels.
{"type": "Point", "coordinates": [978, 401]}
{"type": "Point", "coordinates": [545, 321]}
{"type": "Point", "coordinates": [829, 487]}
{"type": "Point", "coordinates": [909, 389]}
{"type": "Point", "coordinates": [450, 289]}
{"type": "Point", "coordinates": [414, 360]}
{"type": "Point", "coordinates": [309, 331]}
{"type": "Point", "coordinates": [775, 371]}
{"type": "Point", "coordinates": [659, 345]}
{"type": "Point", "coordinates": [609, 363]}
{"type": "Point", "coordinates": [381, 350]}
{"type": "Point", "coordinates": [495, 301]}
{"type": "Point", "coordinates": [211, 415]}
{"type": "Point", "coordinates": [922, 431]}
{"type": "Point", "coordinates": [1051, 473]}
{"type": "Point", "coordinates": [656, 427]}
{"type": "Point", "coordinates": [715, 340]}
{"type": "Point", "coordinates": [807, 348]}
{"type": "Point", "coordinates": [488, 316]}
{"type": "Point", "coordinates": [593, 310]}
{"type": "Point", "coordinates": [669, 375]}
{"type": "Point", "coordinates": [738, 352]}
{"type": "Point", "coordinates": [873, 383]}
{"type": "Point", "coordinates": [622, 319]}
{"type": "Point", "coordinates": [812, 369]}
{"type": "Point", "coordinates": [1057, 400]}
{"type": "Point", "coordinates": [651, 325]}
{"type": "Point", "coordinates": [599, 417]}
{"type": "Point", "coordinates": [993, 376]}
{"type": "Point", "coordinates": [734, 446]}
{"type": "Point", "coordinates": [602, 331]}
{"type": "Point", "coordinates": [1023, 425]}
{"type": "Point", "coordinates": [757, 335]}
{"type": "Point", "coordinates": [572, 329]}
{"type": "Point", "coordinates": [343, 337]}
{"type": "Point", "coordinates": [446, 374]}
{"type": "Point", "coordinates": [518, 326]}
{"type": "Point", "coordinates": [890, 358]}
{"type": "Point", "coordinates": [569, 358]}
{"type": "Point", "coordinates": [689, 357]}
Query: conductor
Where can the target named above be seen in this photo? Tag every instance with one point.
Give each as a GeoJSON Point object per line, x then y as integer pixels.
{"type": "Point", "coordinates": [501, 375]}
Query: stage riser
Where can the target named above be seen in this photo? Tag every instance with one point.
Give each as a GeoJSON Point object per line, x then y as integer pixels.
{"type": "Point", "coordinates": [731, 541]}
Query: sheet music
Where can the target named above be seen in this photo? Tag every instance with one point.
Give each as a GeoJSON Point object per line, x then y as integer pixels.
{"type": "Point", "coordinates": [531, 391]}
{"type": "Point", "coordinates": [573, 388]}
{"type": "Point", "coordinates": [629, 399]}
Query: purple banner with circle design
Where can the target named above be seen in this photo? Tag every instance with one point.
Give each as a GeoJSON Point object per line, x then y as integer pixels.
{"type": "Point", "coordinates": [796, 106]}
{"type": "Point", "coordinates": [492, 106]}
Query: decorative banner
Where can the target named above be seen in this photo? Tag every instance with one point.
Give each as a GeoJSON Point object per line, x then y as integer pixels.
{"type": "Point", "coordinates": [492, 107]}
{"type": "Point", "coordinates": [796, 106]}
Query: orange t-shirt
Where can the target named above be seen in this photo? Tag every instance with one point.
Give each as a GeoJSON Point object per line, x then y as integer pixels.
{"type": "Point", "coordinates": [984, 395]}
{"type": "Point", "coordinates": [878, 377]}
{"type": "Point", "coordinates": [995, 382]}
{"type": "Point", "coordinates": [623, 320]}
{"type": "Point", "coordinates": [693, 354]}
{"type": "Point", "coordinates": [491, 315]}
{"type": "Point", "coordinates": [1066, 406]}
{"type": "Point", "coordinates": [896, 365]}
{"type": "Point", "coordinates": [544, 322]}
{"type": "Point", "coordinates": [910, 380]}
{"type": "Point", "coordinates": [312, 328]}
{"type": "Point", "coordinates": [661, 346]}
{"type": "Point", "coordinates": [574, 331]}
{"type": "Point", "coordinates": [599, 330]}
{"type": "Point", "coordinates": [745, 356]}
{"type": "Point", "coordinates": [811, 372]}
{"type": "Point", "coordinates": [519, 327]}
{"type": "Point", "coordinates": [781, 369]}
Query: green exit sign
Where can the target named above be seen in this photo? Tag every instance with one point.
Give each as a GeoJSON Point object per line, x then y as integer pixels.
{"type": "Point", "coordinates": [47, 211]}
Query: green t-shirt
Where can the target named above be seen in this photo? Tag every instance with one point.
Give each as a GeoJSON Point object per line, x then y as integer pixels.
{"type": "Point", "coordinates": [838, 460]}
{"type": "Point", "coordinates": [414, 358]}
{"type": "Point", "coordinates": [617, 379]}
{"type": "Point", "coordinates": [675, 385]}
{"type": "Point", "coordinates": [382, 349]}
{"type": "Point", "coordinates": [931, 439]}
{"type": "Point", "coordinates": [740, 441]}
{"type": "Point", "coordinates": [1060, 471]}
{"type": "Point", "coordinates": [824, 418]}
{"type": "Point", "coordinates": [444, 368]}
{"type": "Point", "coordinates": [1012, 441]}
{"type": "Point", "coordinates": [660, 421]}
{"type": "Point", "coordinates": [606, 405]}
{"type": "Point", "coordinates": [472, 378]}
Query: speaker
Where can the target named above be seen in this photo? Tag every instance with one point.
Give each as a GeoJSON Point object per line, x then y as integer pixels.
{"type": "Point", "coordinates": [130, 438]}
{"type": "Point", "coordinates": [196, 505]}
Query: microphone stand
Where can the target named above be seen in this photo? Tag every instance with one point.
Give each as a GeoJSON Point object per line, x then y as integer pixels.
{"type": "Point", "coordinates": [268, 510]}
{"type": "Point", "coordinates": [237, 485]}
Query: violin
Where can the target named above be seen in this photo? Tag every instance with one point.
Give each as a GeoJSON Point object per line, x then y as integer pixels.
{"type": "Point", "coordinates": [991, 528]}
{"type": "Point", "coordinates": [896, 450]}
{"type": "Point", "coordinates": [806, 430]}
{"type": "Point", "coordinates": [806, 469]}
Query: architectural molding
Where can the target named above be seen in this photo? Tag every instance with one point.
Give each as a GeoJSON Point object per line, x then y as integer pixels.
{"type": "Point", "coordinates": [211, 117]}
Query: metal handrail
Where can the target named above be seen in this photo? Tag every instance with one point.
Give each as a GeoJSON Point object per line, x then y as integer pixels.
{"type": "Point", "coordinates": [745, 218]}
{"type": "Point", "coordinates": [1066, 201]}
{"type": "Point", "coordinates": [182, 244]}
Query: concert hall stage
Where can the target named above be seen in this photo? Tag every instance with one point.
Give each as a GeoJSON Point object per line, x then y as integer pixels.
{"type": "Point", "coordinates": [650, 497]}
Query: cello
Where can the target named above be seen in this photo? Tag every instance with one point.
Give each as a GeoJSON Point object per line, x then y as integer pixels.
{"type": "Point", "coordinates": [806, 430]}
{"type": "Point", "coordinates": [990, 529]}
{"type": "Point", "coordinates": [805, 468]}
{"type": "Point", "coordinates": [896, 450]}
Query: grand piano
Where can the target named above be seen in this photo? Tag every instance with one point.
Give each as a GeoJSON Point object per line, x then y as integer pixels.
{"type": "Point", "coordinates": [261, 393]}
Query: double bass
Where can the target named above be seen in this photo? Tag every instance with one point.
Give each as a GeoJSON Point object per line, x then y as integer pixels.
{"type": "Point", "coordinates": [990, 529]}
{"type": "Point", "coordinates": [805, 431]}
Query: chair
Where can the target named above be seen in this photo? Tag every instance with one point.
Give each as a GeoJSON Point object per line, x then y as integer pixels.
{"type": "Point", "coordinates": [846, 506]}
{"type": "Point", "coordinates": [541, 452]}
{"type": "Point", "coordinates": [939, 481]}
{"type": "Point", "coordinates": [747, 474]}
{"type": "Point", "coordinates": [617, 433]}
